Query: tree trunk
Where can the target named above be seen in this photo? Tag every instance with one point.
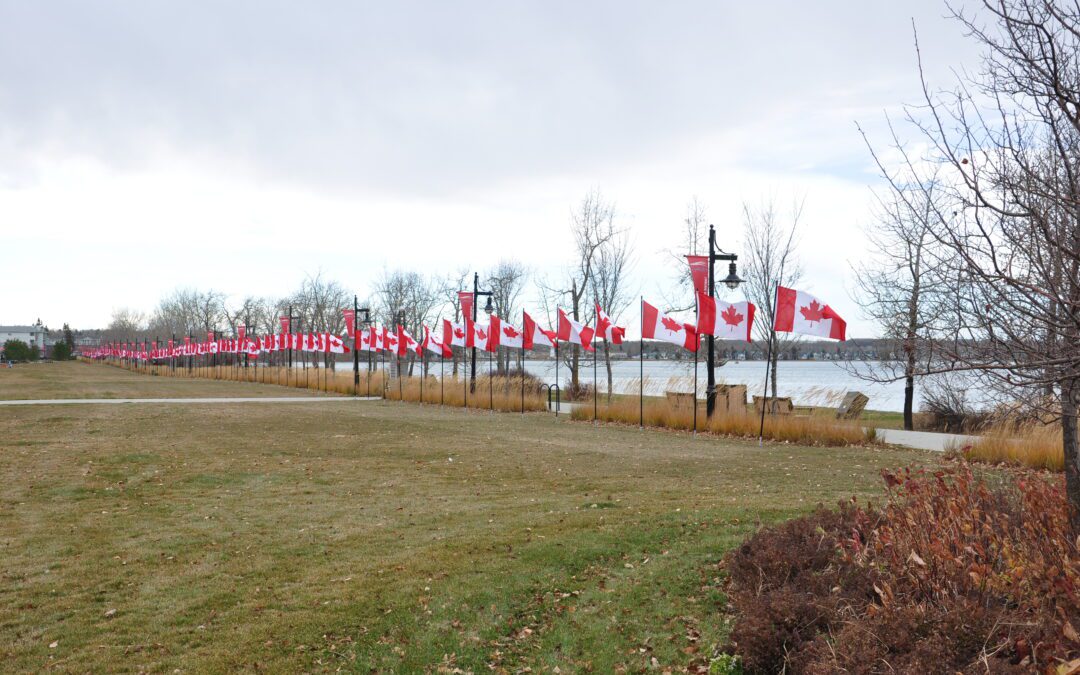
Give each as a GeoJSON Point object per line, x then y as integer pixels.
{"type": "Point", "coordinates": [909, 388]}
{"type": "Point", "coordinates": [1071, 449]}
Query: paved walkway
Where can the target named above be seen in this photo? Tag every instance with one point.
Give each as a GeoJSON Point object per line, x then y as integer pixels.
{"type": "Point", "coordinates": [253, 399]}
{"type": "Point", "coordinates": [925, 440]}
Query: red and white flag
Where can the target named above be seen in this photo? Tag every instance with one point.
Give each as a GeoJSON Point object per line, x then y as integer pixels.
{"type": "Point", "coordinates": [503, 334]}
{"type": "Point", "coordinates": [350, 322]}
{"type": "Point", "coordinates": [725, 320]}
{"type": "Point", "coordinates": [535, 335]}
{"type": "Point", "coordinates": [465, 301]}
{"type": "Point", "coordinates": [406, 343]}
{"type": "Point", "coordinates": [800, 312]}
{"type": "Point", "coordinates": [659, 326]}
{"type": "Point", "coordinates": [479, 337]}
{"type": "Point", "coordinates": [699, 272]}
{"type": "Point", "coordinates": [458, 335]}
{"type": "Point", "coordinates": [574, 332]}
{"type": "Point", "coordinates": [606, 328]}
{"type": "Point", "coordinates": [389, 341]}
{"type": "Point", "coordinates": [284, 324]}
{"type": "Point", "coordinates": [434, 345]}
{"type": "Point", "coordinates": [369, 340]}
{"type": "Point", "coordinates": [336, 345]}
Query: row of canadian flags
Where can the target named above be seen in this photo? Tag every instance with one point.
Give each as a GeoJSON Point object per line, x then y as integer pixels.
{"type": "Point", "coordinates": [796, 312]}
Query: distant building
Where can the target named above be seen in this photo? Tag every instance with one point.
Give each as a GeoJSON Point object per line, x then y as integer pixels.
{"type": "Point", "coordinates": [31, 335]}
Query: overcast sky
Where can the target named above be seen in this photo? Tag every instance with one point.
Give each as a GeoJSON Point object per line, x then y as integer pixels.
{"type": "Point", "coordinates": [241, 145]}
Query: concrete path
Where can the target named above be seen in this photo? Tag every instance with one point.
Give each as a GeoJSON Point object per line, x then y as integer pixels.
{"type": "Point", "coordinates": [267, 399]}
{"type": "Point", "coordinates": [925, 440]}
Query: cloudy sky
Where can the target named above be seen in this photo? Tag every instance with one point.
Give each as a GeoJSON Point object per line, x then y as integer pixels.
{"type": "Point", "coordinates": [238, 146]}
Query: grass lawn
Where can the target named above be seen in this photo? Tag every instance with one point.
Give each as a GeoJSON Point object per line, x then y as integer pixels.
{"type": "Point", "coordinates": [81, 379]}
{"type": "Point", "coordinates": [374, 535]}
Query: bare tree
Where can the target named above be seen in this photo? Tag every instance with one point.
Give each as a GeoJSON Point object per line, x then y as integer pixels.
{"type": "Point", "coordinates": [450, 285]}
{"type": "Point", "coordinates": [506, 282]}
{"type": "Point", "coordinates": [1009, 138]}
{"type": "Point", "coordinates": [407, 298]}
{"type": "Point", "coordinates": [610, 286]}
{"type": "Point", "coordinates": [592, 226]}
{"type": "Point", "coordinates": [770, 261]}
{"type": "Point", "coordinates": [126, 324]}
{"type": "Point", "coordinates": [693, 240]}
{"type": "Point", "coordinates": [901, 287]}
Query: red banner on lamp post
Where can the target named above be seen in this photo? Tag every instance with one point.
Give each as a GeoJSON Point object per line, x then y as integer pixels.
{"type": "Point", "coordinates": [699, 272]}
{"type": "Point", "coordinates": [465, 299]}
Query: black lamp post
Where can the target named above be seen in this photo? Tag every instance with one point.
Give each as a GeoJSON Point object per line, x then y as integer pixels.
{"type": "Point", "coordinates": [732, 281]}
{"type": "Point", "coordinates": [487, 308]}
{"type": "Point", "coordinates": [356, 342]}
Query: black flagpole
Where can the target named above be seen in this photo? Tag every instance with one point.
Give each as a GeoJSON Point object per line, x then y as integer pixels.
{"type": "Point", "coordinates": [557, 391]}
{"type": "Point", "coordinates": [641, 366]}
{"type": "Point", "coordinates": [594, 359]}
{"type": "Point", "coordinates": [697, 347]}
{"type": "Point", "coordinates": [523, 363]}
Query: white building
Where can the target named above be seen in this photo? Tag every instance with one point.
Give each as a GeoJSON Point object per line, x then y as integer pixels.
{"type": "Point", "coordinates": [31, 335]}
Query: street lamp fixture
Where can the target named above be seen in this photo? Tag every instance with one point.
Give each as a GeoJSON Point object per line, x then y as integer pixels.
{"type": "Point", "coordinates": [732, 281]}
{"type": "Point", "coordinates": [488, 308]}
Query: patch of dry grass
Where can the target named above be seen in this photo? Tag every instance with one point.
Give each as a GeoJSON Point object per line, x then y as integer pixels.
{"type": "Point", "coordinates": [1035, 445]}
{"type": "Point", "coordinates": [806, 430]}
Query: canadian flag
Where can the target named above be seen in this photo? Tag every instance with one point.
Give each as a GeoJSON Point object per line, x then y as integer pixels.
{"type": "Point", "coordinates": [503, 334]}
{"type": "Point", "coordinates": [606, 328]}
{"type": "Point", "coordinates": [369, 340]}
{"type": "Point", "coordinates": [535, 335]}
{"type": "Point", "coordinates": [335, 345]}
{"type": "Point", "coordinates": [406, 343]}
{"type": "Point", "coordinates": [735, 319]}
{"type": "Point", "coordinates": [573, 332]}
{"type": "Point", "coordinates": [458, 334]}
{"type": "Point", "coordinates": [477, 336]}
{"type": "Point", "coordinates": [389, 341]}
{"type": "Point", "coordinates": [659, 326]}
{"type": "Point", "coordinates": [800, 312]}
{"type": "Point", "coordinates": [435, 346]}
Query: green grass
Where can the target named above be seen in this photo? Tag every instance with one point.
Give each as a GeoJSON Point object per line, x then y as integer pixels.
{"type": "Point", "coordinates": [82, 379]}
{"type": "Point", "coordinates": [375, 535]}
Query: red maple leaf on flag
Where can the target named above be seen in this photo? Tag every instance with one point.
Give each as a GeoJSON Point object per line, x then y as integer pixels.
{"type": "Point", "coordinates": [731, 317]}
{"type": "Point", "coordinates": [459, 333]}
{"type": "Point", "coordinates": [510, 332]}
{"type": "Point", "coordinates": [481, 334]}
{"type": "Point", "coordinates": [814, 312]}
{"type": "Point", "coordinates": [671, 324]}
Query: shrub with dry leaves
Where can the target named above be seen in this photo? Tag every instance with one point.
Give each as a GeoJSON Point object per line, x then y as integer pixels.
{"type": "Point", "coordinates": [953, 574]}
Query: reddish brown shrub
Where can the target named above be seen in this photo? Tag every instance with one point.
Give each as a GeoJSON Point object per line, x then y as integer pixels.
{"type": "Point", "coordinates": [953, 574]}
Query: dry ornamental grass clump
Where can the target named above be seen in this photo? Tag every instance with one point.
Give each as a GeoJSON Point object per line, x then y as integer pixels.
{"type": "Point", "coordinates": [953, 574]}
{"type": "Point", "coordinates": [804, 430]}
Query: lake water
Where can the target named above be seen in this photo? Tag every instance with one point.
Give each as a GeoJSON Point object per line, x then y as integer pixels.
{"type": "Point", "coordinates": [806, 382]}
